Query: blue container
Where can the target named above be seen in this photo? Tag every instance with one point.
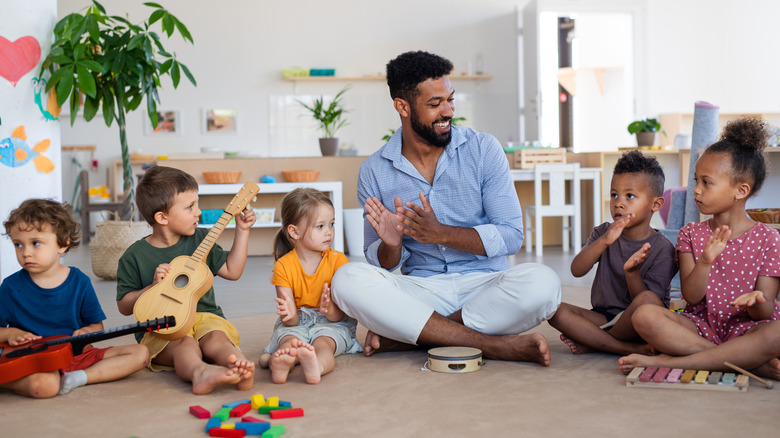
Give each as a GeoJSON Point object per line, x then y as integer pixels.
{"type": "Point", "coordinates": [210, 217]}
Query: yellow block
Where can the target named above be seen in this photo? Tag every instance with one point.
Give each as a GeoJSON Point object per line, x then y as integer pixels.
{"type": "Point", "coordinates": [701, 376]}
{"type": "Point", "coordinates": [273, 402]}
{"type": "Point", "coordinates": [257, 400]}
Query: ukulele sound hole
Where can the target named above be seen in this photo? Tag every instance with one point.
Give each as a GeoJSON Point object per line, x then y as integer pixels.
{"type": "Point", "coordinates": [181, 281]}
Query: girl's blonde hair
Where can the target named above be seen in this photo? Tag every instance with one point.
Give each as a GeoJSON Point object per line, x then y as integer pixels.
{"type": "Point", "coordinates": [298, 206]}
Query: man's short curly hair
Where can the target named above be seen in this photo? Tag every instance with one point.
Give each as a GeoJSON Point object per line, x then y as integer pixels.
{"type": "Point", "coordinates": [410, 69]}
{"type": "Point", "coordinates": [636, 162]}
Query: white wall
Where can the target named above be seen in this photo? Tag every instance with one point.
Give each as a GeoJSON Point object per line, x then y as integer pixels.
{"type": "Point", "coordinates": [242, 46]}
{"type": "Point", "coordinates": [716, 50]}
{"type": "Point", "coordinates": [720, 51]}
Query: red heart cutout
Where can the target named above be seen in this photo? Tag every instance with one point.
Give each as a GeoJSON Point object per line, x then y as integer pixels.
{"type": "Point", "coordinates": [18, 58]}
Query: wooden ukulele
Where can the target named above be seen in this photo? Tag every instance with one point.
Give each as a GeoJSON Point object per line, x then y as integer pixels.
{"type": "Point", "coordinates": [189, 278]}
{"type": "Point", "coordinates": [56, 352]}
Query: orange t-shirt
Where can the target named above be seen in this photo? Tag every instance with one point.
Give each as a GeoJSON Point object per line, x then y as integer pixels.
{"type": "Point", "coordinates": [307, 289]}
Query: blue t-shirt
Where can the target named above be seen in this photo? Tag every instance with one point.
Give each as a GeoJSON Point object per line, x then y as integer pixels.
{"type": "Point", "coordinates": [47, 312]}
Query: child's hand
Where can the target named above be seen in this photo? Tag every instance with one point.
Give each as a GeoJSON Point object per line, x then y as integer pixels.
{"type": "Point", "coordinates": [715, 244]}
{"type": "Point", "coordinates": [21, 337]}
{"type": "Point", "coordinates": [161, 272]}
{"type": "Point", "coordinates": [325, 299]}
{"type": "Point", "coordinates": [246, 219]}
{"type": "Point", "coordinates": [750, 299]}
{"type": "Point", "coordinates": [635, 261]}
{"type": "Point", "coordinates": [616, 228]}
{"type": "Point", "coordinates": [286, 308]}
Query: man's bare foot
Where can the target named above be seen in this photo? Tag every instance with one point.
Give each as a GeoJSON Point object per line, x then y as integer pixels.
{"type": "Point", "coordinates": [244, 369]}
{"type": "Point", "coordinates": [281, 363]}
{"type": "Point", "coordinates": [209, 377]}
{"type": "Point", "coordinates": [312, 369]}
{"type": "Point", "coordinates": [575, 347]}
{"type": "Point", "coordinates": [531, 347]}
{"type": "Point", "coordinates": [380, 344]}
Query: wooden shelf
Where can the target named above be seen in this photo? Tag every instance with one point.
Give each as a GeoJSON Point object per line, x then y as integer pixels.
{"type": "Point", "coordinates": [374, 78]}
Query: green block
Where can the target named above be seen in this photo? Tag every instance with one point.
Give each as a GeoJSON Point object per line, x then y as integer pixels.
{"type": "Point", "coordinates": [223, 413]}
{"type": "Point", "coordinates": [267, 409]}
{"type": "Point", "coordinates": [275, 431]}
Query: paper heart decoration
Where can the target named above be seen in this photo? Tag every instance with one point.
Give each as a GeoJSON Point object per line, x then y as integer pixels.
{"type": "Point", "coordinates": [17, 58]}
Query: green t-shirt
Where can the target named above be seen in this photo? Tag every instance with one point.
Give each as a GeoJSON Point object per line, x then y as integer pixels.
{"type": "Point", "coordinates": [137, 265]}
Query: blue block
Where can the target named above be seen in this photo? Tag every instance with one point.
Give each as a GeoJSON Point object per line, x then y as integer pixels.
{"type": "Point", "coordinates": [213, 422]}
{"type": "Point", "coordinates": [253, 428]}
{"type": "Point", "coordinates": [236, 403]}
{"type": "Point", "coordinates": [285, 403]}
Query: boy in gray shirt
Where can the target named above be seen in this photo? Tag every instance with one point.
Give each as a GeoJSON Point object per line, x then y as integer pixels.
{"type": "Point", "coordinates": [635, 264]}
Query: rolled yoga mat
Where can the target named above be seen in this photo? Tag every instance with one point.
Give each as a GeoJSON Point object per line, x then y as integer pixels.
{"type": "Point", "coordinates": [705, 133]}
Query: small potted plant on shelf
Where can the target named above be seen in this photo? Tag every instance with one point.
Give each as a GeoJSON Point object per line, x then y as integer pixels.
{"type": "Point", "coordinates": [645, 131]}
{"type": "Point", "coordinates": [330, 118]}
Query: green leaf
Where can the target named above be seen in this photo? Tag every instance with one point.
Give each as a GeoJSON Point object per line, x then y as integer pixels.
{"type": "Point", "coordinates": [156, 15]}
{"type": "Point", "coordinates": [154, 5]}
{"type": "Point", "coordinates": [78, 51]}
{"type": "Point", "coordinates": [99, 6]}
{"type": "Point", "coordinates": [185, 33]}
{"type": "Point", "coordinates": [85, 81]}
{"type": "Point", "coordinates": [188, 74]}
{"type": "Point", "coordinates": [93, 28]}
{"type": "Point", "coordinates": [91, 105]}
{"type": "Point", "coordinates": [94, 66]}
{"type": "Point", "coordinates": [61, 60]}
{"type": "Point", "coordinates": [74, 105]}
{"type": "Point", "coordinates": [108, 110]}
{"type": "Point", "coordinates": [65, 85]}
{"type": "Point", "coordinates": [175, 74]}
{"type": "Point", "coordinates": [135, 41]}
{"type": "Point", "coordinates": [168, 26]}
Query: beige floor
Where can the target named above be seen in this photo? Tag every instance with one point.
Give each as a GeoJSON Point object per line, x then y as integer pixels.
{"type": "Point", "coordinates": [389, 395]}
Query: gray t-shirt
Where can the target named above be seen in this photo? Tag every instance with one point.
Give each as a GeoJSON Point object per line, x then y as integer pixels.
{"type": "Point", "coordinates": [610, 290]}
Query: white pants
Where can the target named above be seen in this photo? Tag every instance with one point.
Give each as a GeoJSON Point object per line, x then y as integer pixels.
{"type": "Point", "coordinates": [398, 306]}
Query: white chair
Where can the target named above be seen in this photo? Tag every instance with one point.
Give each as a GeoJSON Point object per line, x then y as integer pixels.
{"type": "Point", "coordinates": [558, 175]}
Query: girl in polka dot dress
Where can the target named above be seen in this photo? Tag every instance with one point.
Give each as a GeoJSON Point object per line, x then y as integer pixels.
{"type": "Point", "coordinates": [729, 269]}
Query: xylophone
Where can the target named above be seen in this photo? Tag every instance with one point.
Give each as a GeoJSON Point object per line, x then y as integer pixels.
{"type": "Point", "coordinates": [677, 378]}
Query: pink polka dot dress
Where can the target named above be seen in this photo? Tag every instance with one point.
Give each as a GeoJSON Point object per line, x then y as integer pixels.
{"type": "Point", "coordinates": [733, 273]}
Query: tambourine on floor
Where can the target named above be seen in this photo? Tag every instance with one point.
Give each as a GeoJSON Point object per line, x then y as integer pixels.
{"type": "Point", "coordinates": [454, 359]}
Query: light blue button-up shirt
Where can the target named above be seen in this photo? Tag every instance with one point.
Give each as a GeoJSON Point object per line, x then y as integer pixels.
{"type": "Point", "coordinates": [472, 188]}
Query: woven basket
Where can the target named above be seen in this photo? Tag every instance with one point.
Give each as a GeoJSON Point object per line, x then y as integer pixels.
{"type": "Point", "coordinates": [765, 215]}
{"type": "Point", "coordinates": [300, 175]}
{"type": "Point", "coordinates": [111, 240]}
{"type": "Point", "coordinates": [226, 177]}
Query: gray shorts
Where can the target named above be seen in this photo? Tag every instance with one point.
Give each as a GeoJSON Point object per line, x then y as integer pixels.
{"type": "Point", "coordinates": [311, 325]}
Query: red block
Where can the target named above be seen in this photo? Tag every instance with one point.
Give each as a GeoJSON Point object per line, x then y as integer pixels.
{"type": "Point", "coordinates": [240, 409]}
{"type": "Point", "coordinates": [227, 433]}
{"type": "Point", "coordinates": [286, 413]}
{"type": "Point", "coordinates": [199, 412]}
{"type": "Point", "coordinates": [252, 420]}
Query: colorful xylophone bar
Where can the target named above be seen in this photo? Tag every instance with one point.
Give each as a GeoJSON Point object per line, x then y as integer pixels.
{"type": "Point", "coordinates": [654, 377]}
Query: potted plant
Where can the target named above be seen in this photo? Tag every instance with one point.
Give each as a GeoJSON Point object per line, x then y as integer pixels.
{"type": "Point", "coordinates": [330, 118]}
{"type": "Point", "coordinates": [645, 131]}
{"type": "Point", "coordinates": [113, 64]}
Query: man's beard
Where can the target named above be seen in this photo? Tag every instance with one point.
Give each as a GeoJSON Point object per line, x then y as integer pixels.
{"type": "Point", "coordinates": [428, 133]}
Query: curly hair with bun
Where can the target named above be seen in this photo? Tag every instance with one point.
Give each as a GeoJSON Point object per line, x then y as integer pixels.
{"type": "Point", "coordinates": [744, 141]}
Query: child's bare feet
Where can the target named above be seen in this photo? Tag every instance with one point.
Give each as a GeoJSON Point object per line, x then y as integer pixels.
{"type": "Point", "coordinates": [770, 369]}
{"type": "Point", "coordinates": [575, 347]}
{"type": "Point", "coordinates": [281, 363]}
{"type": "Point", "coordinates": [205, 379]}
{"type": "Point", "coordinates": [312, 369]}
{"type": "Point", "coordinates": [245, 371]}
{"type": "Point", "coordinates": [628, 363]}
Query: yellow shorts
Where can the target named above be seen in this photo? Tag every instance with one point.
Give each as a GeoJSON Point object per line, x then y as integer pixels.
{"type": "Point", "coordinates": [205, 323]}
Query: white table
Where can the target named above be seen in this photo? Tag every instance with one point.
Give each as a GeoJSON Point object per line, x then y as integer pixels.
{"type": "Point", "coordinates": [331, 187]}
{"type": "Point", "coordinates": [586, 173]}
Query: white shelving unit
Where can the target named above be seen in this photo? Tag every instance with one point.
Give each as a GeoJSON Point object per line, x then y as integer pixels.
{"type": "Point", "coordinates": [333, 188]}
